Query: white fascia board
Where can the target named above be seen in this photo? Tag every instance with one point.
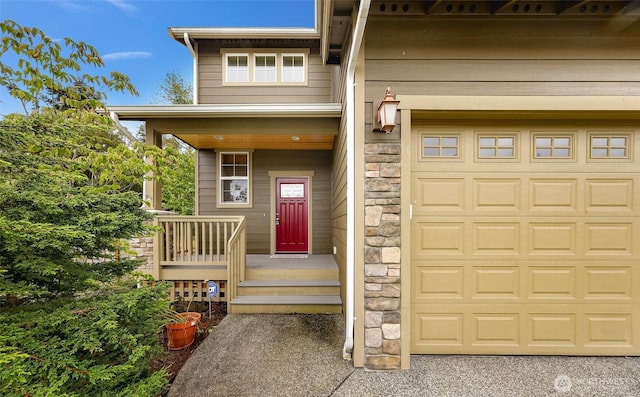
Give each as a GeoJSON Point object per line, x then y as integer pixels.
{"type": "Point", "coordinates": [177, 33]}
{"type": "Point", "coordinates": [140, 112]}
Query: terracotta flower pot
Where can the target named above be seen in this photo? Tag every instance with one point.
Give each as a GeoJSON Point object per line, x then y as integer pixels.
{"type": "Point", "coordinates": [182, 333]}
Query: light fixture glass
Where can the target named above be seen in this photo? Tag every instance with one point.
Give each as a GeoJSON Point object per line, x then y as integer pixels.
{"type": "Point", "coordinates": [295, 138]}
{"type": "Point", "coordinates": [387, 112]}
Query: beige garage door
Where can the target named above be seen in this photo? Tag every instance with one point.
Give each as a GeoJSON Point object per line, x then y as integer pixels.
{"type": "Point", "coordinates": [525, 240]}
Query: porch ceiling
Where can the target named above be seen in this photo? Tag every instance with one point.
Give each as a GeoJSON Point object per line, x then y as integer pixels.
{"type": "Point", "coordinates": [246, 126]}
{"type": "Point", "coordinates": [258, 141]}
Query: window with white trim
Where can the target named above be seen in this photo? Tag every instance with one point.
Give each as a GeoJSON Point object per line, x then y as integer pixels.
{"type": "Point", "coordinates": [237, 70]}
{"type": "Point", "coordinates": [265, 68]}
{"type": "Point", "coordinates": [293, 68]}
{"type": "Point", "coordinates": [257, 68]}
{"type": "Point", "coordinates": [234, 184]}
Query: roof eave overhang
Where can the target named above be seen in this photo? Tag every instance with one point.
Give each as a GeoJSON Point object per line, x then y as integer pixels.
{"type": "Point", "coordinates": [243, 33]}
{"type": "Point", "coordinates": [149, 112]}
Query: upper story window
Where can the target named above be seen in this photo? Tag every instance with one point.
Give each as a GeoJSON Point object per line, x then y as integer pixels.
{"type": "Point", "coordinates": [237, 68]}
{"type": "Point", "coordinates": [260, 67]}
{"type": "Point", "coordinates": [265, 69]}
{"type": "Point", "coordinates": [292, 68]}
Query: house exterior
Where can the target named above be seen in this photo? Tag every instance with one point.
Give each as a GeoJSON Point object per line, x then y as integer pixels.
{"type": "Point", "coordinates": [501, 215]}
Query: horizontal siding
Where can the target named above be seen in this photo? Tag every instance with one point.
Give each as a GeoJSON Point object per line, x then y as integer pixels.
{"type": "Point", "coordinates": [506, 70]}
{"type": "Point", "coordinates": [500, 38]}
{"type": "Point", "coordinates": [497, 56]}
{"type": "Point", "coordinates": [211, 89]}
{"type": "Point", "coordinates": [258, 227]}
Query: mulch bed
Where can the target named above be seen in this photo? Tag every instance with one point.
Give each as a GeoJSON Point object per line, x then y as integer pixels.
{"type": "Point", "coordinates": [173, 360]}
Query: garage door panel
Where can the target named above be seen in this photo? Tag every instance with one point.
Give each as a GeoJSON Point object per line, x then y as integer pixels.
{"type": "Point", "coordinates": [557, 238]}
{"type": "Point", "coordinates": [504, 237]}
{"type": "Point", "coordinates": [495, 282]}
{"type": "Point", "coordinates": [609, 195]}
{"type": "Point", "coordinates": [553, 283]}
{"type": "Point", "coordinates": [530, 329]}
{"type": "Point", "coordinates": [597, 194]}
{"type": "Point", "coordinates": [440, 194]}
{"type": "Point", "coordinates": [437, 238]}
{"type": "Point", "coordinates": [433, 282]}
{"type": "Point", "coordinates": [495, 238]}
{"type": "Point", "coordinates": [525, 255]}
{"type": "Point", "coordinates": [496, 194]}
{"type": "Point", "coordinates": [518, 281]}
{"type": "Point", "coordinates": [553, 194]}
{"type": "Point", "coordinates": [605, 283]}
{"type": "Point", "coordinates": [609, 238]}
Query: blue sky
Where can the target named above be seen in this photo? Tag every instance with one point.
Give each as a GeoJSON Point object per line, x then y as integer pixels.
{"type": "Point", "coordinates": [131, 35]}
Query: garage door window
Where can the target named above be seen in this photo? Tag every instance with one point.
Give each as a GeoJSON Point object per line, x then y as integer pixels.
{"type": "Point", "coordinates": [496, 147]}
{"type": "Point", "coordinates": [553, 147]}
{"type": "Point", "coordinates": [604, 147]}
{"type": "Point", "coordinates": [440, 146]}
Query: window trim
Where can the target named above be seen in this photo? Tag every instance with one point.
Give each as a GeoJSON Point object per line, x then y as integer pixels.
{"type": "Point", "coordinates": [276, 64]}
{"type": "Point", "coordinates": [628, 136]}
{"type": "Point", "coordinates": [497, 136]}
{"type": "Point", "coordinates": [305, 68]}
{"type": "Point", "coordinates": [225, 68]}
{"type": "Point", "coordinates": [440, 135]}
{"type": "Point", "coordinates": [220, 179]}
{"type": "Point", "coordinates": [251, 64]}
{"type": "Point", "coordinates": [553, 135]}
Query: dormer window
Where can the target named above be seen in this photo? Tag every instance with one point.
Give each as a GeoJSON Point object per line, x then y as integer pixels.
{"type": "Point", "coordinates": [260, 67]}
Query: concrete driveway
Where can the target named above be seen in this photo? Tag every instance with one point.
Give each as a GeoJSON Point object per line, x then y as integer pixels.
{"type": "Point", "coordinates": [301, 355]}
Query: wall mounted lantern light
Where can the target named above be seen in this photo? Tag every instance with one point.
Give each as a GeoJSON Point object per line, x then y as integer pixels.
{"type": "Point", "coordinates": [387, 112]}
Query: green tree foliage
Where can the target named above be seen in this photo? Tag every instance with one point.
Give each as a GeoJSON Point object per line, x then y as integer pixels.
{"type": "Point", "coordinates": [177, 164]}
{"type": "Point", "coordinates": [72, 320]}
{"type": "Point", "coordinates": [175, 90]}
{"type": "Point", "coordinates": [46, 70]}
{"type": "Point", "coordinates": [177, 173]}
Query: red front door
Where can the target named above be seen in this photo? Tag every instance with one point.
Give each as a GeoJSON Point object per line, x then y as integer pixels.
{"type": "Point", "coordinates": [292, 219]}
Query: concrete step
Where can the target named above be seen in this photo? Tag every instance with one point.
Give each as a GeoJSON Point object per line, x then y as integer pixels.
{"type": "Point", "coordinates": [329, 273]}
{"type": "Point", "coordinates": [287, 304]}
{"type": "Point", "coordinates": [289, 287]}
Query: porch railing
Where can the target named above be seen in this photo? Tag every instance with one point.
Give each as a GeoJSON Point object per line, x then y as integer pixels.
{"type": "Point", "coordinates": [237, 260]}
{"type": "Point", "coordinates": [194, 247]}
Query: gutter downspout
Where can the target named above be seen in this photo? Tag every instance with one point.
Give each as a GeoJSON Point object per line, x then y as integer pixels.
{"type": "Point", "coordinates": [356, 42]}
{"type": "Point", "coordinates": [194, 54]}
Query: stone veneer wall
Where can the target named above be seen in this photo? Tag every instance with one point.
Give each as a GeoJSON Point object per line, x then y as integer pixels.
{"type": "Point", "coordinates": [382, 256]}
{"type": "Point", "coordinates": [143, 249]}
